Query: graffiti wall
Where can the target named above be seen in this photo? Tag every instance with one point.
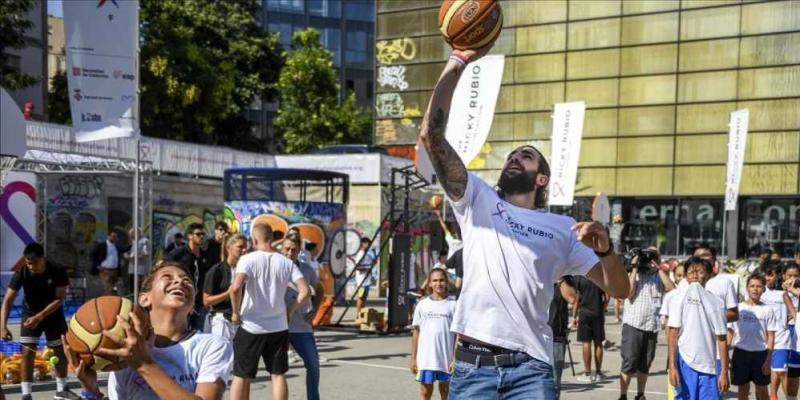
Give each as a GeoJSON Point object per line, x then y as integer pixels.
{"type": "Point", "coordinates": [77, 217]}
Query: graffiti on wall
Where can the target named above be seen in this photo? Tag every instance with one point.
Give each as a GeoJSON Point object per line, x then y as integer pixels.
{"type": "Point", "coordinates": [393, 76]}
{"type": "Point", "coordinates": [166, 223]}
{"type": "Point", "coordinates": [389, 51]}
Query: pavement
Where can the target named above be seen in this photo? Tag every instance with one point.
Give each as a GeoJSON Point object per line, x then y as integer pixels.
{"type": "Point", "coordinates": [369, 366]}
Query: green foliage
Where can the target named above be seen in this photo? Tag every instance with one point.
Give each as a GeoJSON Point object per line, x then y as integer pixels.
{"type": "Point", "coordinates": [58, 100]}
{"type": "Point", "coordinates": [309, 113]}
{"type": "Point", "coordinates": [13, 24]}
{"type": "Point", "coordinates": [203, 63]}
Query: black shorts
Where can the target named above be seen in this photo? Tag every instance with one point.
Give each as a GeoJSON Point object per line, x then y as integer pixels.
{"type": "Point", "coordinates": [793, 372]}
{"type": "Point", "coordinates": [248, 348]}
{"type": "Point", "coordinates": [592, 329]}
{"type": "Point", "coordinates": [746, 367]}
{"type": "Point", "coordinates": [638, 349]}
{"type": "Point", "coordinates": [53, 326]}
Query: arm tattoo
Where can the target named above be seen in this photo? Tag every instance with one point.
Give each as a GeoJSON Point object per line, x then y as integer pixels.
{"type": "Point", "coordinates": [451, 171]}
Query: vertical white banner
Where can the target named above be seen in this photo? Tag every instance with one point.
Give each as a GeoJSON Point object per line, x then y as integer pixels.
{"type": "Point", "coordinates": [472, 109]}
{"type": "Point", "coordinates": [737, 141]}
{"type": "Point", "coordinates": [101, 45]}
{"type": "Point", "coordinates": [565, 150]}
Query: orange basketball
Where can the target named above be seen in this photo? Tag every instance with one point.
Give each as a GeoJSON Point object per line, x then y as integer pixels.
{"type": "Point", "coordinates": [470, 24]}
{"type": "Point", "coordinates": [436, 202]}
{"type": "Point", "coordinates": [86, 328]}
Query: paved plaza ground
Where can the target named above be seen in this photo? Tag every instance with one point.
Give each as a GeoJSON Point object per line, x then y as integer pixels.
{"type": "Point", "coordinates": [368, 366]}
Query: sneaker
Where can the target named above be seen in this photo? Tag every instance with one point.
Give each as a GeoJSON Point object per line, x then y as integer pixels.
{"type": "Point", "coordinates": [594, 378]}
{"type": "Point", "coordinates": [67, 395]}
{"type": "Point", "coordinates": [600, 377]}
{"type": "Point", "coordinates": [26, 397]}
{"type": "Point", "coordinates": [293, 358]}
{"type": "Point", "coordinates": [640, 397]}
{"type": "Point", "coordinates": [607, 344]}
{"type": "Point", "coordinates": [586, 378]}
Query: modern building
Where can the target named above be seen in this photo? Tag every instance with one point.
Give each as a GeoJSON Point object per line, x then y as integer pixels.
{"type": "Point", "coordinates": [56, 56]}
{"type": "Point", "coordinates": [32, 60]}
{"type": "Point", "coordinates": [659, 78]}
{"type": "Point", "coordinates": [347, 28]}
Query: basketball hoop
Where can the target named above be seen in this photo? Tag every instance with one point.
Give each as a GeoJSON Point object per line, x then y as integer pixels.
{"type": "Point", "coordinates": [6, 164]}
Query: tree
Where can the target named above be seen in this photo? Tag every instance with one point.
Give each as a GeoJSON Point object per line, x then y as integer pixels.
{"type": "Point", "coordinates": [13, 24]}
{"type": "Point", "coordinates": [58, 101]}
{"type": "Point", "coordinates": [309, 113]}
{"type": "Point", "coordinates": [203, 63]}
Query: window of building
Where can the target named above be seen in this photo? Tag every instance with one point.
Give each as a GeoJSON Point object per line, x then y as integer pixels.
{"type": "Point", "coordinates": [325, 8]}
{"type": "Point", "coordinates": [770, 50]}
{"type": "Point", "coordinates": [596, 93]}
{"type": "Point", "coordinates": [360, 10]}
{"type": "Point", "coordinates": [771, 224]}
{"type": "Point", "coordinates": [701, 149]}
{"type": "Point", "coordinates": [292, 6]}
{"type": "Point", "coordinates": [710, 23]}
{"type": "Point", "coordinates": [638, 121]}
{"type": "Point", "coordinates": [650, 151]}
{"type": "Point", "coordinates": [709, 54]}
{"type": "Point", "coordinates": [647, 90]}
{"type": "Point", "coordinates": [650, 28]}
{"type": "Point", "coordinates": [593, 64]}
{"type": "Point", "coordinates": [593, 34]}
{"type": "Point", "coordinates": [779, 16]}
{"type": "Point", "coordinates": [707, 86]}
{"type": "Point", "coordinates": [769, 82]}
{"type": "Point", "coordinates": [649, 59]}
{"type": "Point", "coordinates": [584, 9]}
{"type": "Point", "coordinates": [700, 118]}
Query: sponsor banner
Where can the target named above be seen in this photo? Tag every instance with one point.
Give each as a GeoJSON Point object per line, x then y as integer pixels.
{"type": "Point", "coordinates": [472, 109]}
{"type": "Point", "coordinates": [737, 140]}
{"type": "Point", "coordinates": [17, 222]}
{"type": "Point", "coordinates": [565, 151]}
{"type": "Point", "coordinates": [361, 168]}
{"type": "Point", "coordinates": [101, 45]}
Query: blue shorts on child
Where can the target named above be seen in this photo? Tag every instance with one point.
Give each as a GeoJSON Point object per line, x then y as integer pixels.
{"type": "Point", "coordinates": [429, 377]}
{"type": "Point", "coordinates": [695, 385]}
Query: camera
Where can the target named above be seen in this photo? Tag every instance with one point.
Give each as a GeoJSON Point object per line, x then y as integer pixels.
{"type": "Point", "coordinates": [643, 256]}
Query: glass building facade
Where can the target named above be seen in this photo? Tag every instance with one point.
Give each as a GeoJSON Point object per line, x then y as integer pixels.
{"type": "Point", "coordinates": [347, 29]}
{"type": "Point", "coordinates": [659, 78]}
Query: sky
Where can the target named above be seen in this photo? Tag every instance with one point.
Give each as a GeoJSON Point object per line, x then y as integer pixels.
{"type": "Point", "coordinates": [54, 8]}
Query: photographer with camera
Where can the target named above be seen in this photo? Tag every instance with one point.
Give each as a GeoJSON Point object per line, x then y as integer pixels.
{"type": "Point", "coordinates": [640, 317]}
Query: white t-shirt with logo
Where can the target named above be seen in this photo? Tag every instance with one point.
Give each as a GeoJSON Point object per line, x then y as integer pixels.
{"type": "Point", "coordinates": [700, 317]}
{"type": "Point", "coordinates": [750, 330]}
{"type": "Point", "coordinates": [268, 275]}
{"type": "Point", "coordinates": [363, 268]}
{"type": "Point", "coordinates": [202, 358]}
{"type": "Point", "coordinates": [435, 345]}
{"type": "Point", "coordinates": [512, 257]}
{"type": "Point", "coordinates": [723, 288]}
{"type": "Point", "coordinates": [774, 300]}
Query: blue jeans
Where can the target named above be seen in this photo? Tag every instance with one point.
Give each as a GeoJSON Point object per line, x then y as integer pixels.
{"type": "Point", "coordinates": [531, 380]}
{"type": "Point", "coordinates": [306, 348]}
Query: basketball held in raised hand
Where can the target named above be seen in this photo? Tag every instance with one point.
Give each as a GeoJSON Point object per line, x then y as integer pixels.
{"type": "Point", "coordinates": [435, 202]}
{"type": "Point", "coordinates": [86, 328]}
{"type": "Point", "coordinates": [470, 24]}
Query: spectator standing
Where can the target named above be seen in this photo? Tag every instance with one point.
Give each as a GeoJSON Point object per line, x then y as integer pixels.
{"type": "Point", "coordinates": [640, 322]}
{"type": "Point", "coordinates": [558, 320]}
{"type": "Point", "coordinates": [363, 271]}
{"type": "Point", "coordinates": [257, 299]}
{"type": "Point", "coordinates": [216, 293]}
{"type": "Point", "coordinates": [177, 241]}
{"type": "Point", "coordinates": [590, 312]}
{"type": "Point", "coordinates": [779, 301]}
{"type": "Point", "coordinates": [195, 260]}
{"type": "Point", "coordinates": [106, 260]}
{"type": "Point", "coordinates": [143, 255]}
{"type": "Point", "coordinates": [212, 247]}
{"type": "Point", "coordinates": [301, 332]}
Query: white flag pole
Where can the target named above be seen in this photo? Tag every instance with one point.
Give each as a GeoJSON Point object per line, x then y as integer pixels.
{"type": "Point", "coordinates": [136, 127]}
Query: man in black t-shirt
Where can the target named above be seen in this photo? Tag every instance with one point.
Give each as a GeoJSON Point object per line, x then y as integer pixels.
{"type": "Point", "coordinates": [564, 294]}
{"type": "Point", "coordinates": [591, 322]}
{"type": "Point", "coordinates": [216, 293]}
{"type": "Point", "coordinates": [194, 259]}
{"type": "Point", "coordinates": [45, 286]}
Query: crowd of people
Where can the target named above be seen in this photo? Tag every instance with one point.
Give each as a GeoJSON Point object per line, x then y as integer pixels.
{"type": "Point", "coordinates": [209, 313]}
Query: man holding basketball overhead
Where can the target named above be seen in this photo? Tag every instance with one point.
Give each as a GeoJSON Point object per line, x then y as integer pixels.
{"type": "Point", "coordinates": [514, 251]}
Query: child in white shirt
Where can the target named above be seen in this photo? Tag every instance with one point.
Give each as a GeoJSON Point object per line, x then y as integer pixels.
{"type": "Point", "coordinates": [696, 332]}
{"type": "Point", "coordinates": [753, 341]}
{"type": "Point", "coordinates": [779, 301]}
{"type": "Point", "coordinates": [432, 343]}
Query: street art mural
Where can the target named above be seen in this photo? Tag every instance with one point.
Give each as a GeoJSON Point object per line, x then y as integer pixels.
{"type": "Point", "coordinates": [17, 223]}
{"type": "Point", "coordinates": [170, 218]}
{"type": "Point", "coordinates": [77, 217]}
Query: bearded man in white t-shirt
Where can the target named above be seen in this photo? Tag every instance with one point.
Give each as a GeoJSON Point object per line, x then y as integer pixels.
{"type": "Point", "coordinates": [514, 251]}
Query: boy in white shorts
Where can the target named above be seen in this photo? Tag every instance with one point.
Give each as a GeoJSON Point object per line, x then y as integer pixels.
{"type": "Point", "coordinates": [432, 343]}
{"type": "Point", "coordinates": [697, 332]}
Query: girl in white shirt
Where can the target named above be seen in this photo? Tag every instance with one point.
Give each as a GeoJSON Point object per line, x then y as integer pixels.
{"type": "Point", "coordinates": [753, 341]}
{"type": "Point", "coordinates": [779, 300]}
{"type": "Point", "coordinates": [432, 343]}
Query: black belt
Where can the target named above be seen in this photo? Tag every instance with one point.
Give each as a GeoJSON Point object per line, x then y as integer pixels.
{"type": "Point", "coordinates": [492, 360]}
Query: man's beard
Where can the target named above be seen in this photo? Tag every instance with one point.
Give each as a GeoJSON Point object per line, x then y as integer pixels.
{"type": "Point", "coordinates": [516, 183]}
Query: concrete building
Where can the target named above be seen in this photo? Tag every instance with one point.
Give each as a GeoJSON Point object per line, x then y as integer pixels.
{"type": "Point", "coordinates": [56, 56]}
{"type": "Point", "coordinates": [32, 60]}
{"type": "Point", "coordinates": [659, 79]}
{"type": "Point", "coordinates": [347, 28]}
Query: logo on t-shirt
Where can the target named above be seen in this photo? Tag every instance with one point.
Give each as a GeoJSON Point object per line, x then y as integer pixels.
{"type": "Point", "coordinates": [520, 228]}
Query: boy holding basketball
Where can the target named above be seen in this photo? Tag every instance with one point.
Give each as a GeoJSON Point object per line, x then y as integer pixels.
{"type": "Point", "coordinates": [165, 357]}
{"type": "Point", "coordinates": [45, 286]}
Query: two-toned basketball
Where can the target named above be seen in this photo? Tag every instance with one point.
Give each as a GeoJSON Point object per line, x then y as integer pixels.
{"type": "Point", "coordinates": [86, 328]}
{"type": "Point", "coordinates": [470, 24]}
